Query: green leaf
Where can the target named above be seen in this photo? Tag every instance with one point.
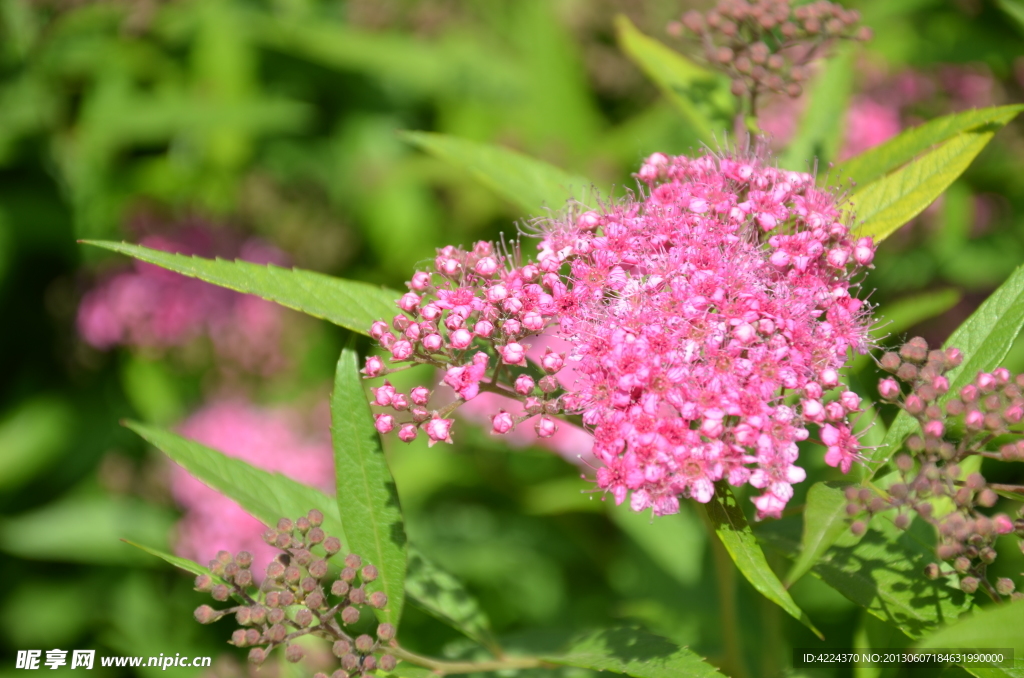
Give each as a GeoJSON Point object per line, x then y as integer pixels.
{"type": "Point", "coordinates": [825, 520]}
{"type": "Point", "coordinates": [677, 543]}
{"type": "Point", "coordinates": [985, 338]}
{"type": "Point", "coordinates": [901, 149]}
{"type": "Point", "coordinates": [904, 313]}
{"type": "Point", "coordinates": [700, 95]}
{"type": "Point", "coordinates": [891, 201]}
{"type": "Point", "coordinates": [524, 181]}
{"type": "Point", "coordinates": [732, 528]}
{"type": "Point", "coordinates": [999, 626]}
{"type": "Point", "coordinates": [366, 492]}
{"type": "Point", "coordinates": [270, 496]}
{"type": "Point", "coordinates": [1015, 10]}
{"type": "Point", "coordinates": [882, 572]}
{"type": "Point", "coordinates": [267, 496]}
{"type": "Point", "coordinates": [32, 436]}
{"type": "Point", "coordinates": [181, 563]}
{"type": "Point", "coordinates": [84, 528]}
{"type": "Point", "coordinates": [821, 127]}
{"type": "Point", "coordinates": [350, 304]}
{"type": "Point", "coordinates": [633, 652]}
{"type": "Point", "coordinates": [442, 595]}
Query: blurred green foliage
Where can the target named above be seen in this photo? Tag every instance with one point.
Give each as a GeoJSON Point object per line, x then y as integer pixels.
{"type": "Point", "coordinates": [282, 118]}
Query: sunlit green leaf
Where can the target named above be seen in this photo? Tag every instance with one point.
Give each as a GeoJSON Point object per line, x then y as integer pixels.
{"type": "Point", "coordinates": [984, 339]}
{"type": "Point", "coordinates": [700, 95]}
{"type": "Point", "coordinates": [732, 528]}
{"type": "Point", "coordinates": [901, 149]}
{"type": "Point", "coordinates": [180, 563]}
{"type": "Point", "coordinates": [531, 184]}
{"type": "Point", "coordinates": [266, 496]}
{"type": "Point", "coordinates": [825, 520]}
{"type": "Point", "coordinates": [633, 652]}
{"type": "Point", "coordinates": [366, 493]}
{"type": "Point", "coordinates": [887, 203]}
{"type": "Point", "coordinates": [350, 304]}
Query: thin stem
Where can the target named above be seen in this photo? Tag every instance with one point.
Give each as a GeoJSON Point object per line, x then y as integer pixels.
{"type": "Point", "coordinates": [447, 668]}
{"type": "Point", "coordinates": [725, 582]}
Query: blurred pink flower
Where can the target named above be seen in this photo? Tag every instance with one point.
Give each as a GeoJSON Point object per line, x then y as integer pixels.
{"type": "Point", "coordinates": [150, 307]}
{"type": "Point", "coordinates": [868, 124]}
{"type": "Point", "coordinates": [271, 439]}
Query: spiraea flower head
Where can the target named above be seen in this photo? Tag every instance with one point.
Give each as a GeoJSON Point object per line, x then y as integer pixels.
{"type": "Point", "coordinates": [690, 313]}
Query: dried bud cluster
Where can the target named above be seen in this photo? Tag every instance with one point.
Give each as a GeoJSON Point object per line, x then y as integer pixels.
{"type": "Point", "coordinates": [766, 45]}
{"type": "Point", "coordinates": [296, 599]}
{"type": "Point", "coordinates": [930, 468]}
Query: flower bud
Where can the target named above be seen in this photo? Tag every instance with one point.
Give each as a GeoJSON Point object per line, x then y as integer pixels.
{"type": "Point", "coordinates": [350, 615]}
{"type": "Point", "coordinates": [205, 614]}
{"type": "Point", "coordinates": [315, 536]}
{"type": "Point", "coordinates": [378, 600]}
{"type": "Point", "coordinates": [340, 648]}
{"type": "Point", "coordinates": [385, 632]}
{"type": "Point", "coordinates": [257, 655]}
{"type": "Point", "coordinates": [369, 573]}
{"type": "Point", "coordinates": [524, 384]}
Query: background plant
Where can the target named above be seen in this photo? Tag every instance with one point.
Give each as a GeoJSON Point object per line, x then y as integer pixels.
{"type": "Point", "coordinates": [116, 117]}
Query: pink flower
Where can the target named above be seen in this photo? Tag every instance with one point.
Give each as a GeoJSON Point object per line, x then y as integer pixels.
{"type": "Point", "coordinates": [274, 440]}
{"type": "Point", "coordinates": [674, 325]}
{"type": "Point", "coordinates": [438, 430]}
{"type": "Point", "coordinates": [147, 306]}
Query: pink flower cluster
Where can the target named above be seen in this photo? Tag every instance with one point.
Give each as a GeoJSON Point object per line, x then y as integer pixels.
{"type": "Point", "coordinates": [151, 307]}
{"type": "Point", "coordinates": [692, 314]}
{"type": "Point", "coordinates": [273, 440]}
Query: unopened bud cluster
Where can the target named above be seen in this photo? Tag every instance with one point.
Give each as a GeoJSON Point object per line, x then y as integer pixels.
{"type": "Point", "coordinates": [766, 45]}
{"type": "Point", "coordinates": [933, 485]}
{"type": "Point", "coordinates": [297, 598]}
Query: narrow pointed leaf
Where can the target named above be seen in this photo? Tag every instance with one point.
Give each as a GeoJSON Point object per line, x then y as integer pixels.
{"type": "Point", "coordinates": [898, 151]}
{"type": "Point", "coordinates": [999, 626]}
{"type": "Point", "coordinates": [266, 496]}
{"type": "Point", "coordinates": [633, 652]}
{"type": "Point", "coordinates": [367, 496]}
{"type": "Point", "coordinates": [700, 95]}
{"type": "Point", "coordinates": [181, 563]}
{"type": "Point", "coordinates": [531, 184]}
{"type": "Point", "coordinates": [985, 338]}
{"type": "Point", "coordinates": [887, 203]}
{"type": "Point", "coordinates": [738, 539]}
{"type": "Point", "coordinates": [825, 520]}
{"type": "Point", "coordinates": [269, 496]}
{"type": "Point", "coordinates": [348, 303]}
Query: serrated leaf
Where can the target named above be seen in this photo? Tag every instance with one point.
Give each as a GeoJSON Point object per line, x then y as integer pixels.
{"type": "Point", "coordinates": [732, 528]}
{"type": "Point", "coordinates": [366, 493]}
{"type": "Point", "coordinates": [901, 149]}
{"type": "Point", "coordinates": [270, 496]}
{"type": "Point", "coordinates": [887, 203]}
{"type": "Point", "coordinates": [633, 652]}
{"type": "Point", "coordinates": [266, 496]}
{"type": "Point", "coordinates": [883, 572]}
{"type": "Point", "coordinates": [527, 182]}
{"type": "Point", "coordinates": [441, 594]}
{"type": "Point", "coordinates": [985, 338]}
{"type": "Point", "coordinates": [700, 95]}
{"type": "Point", "coordinates": [348, 303]}
{"type": "Point", "coordinates": [825, 520]}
